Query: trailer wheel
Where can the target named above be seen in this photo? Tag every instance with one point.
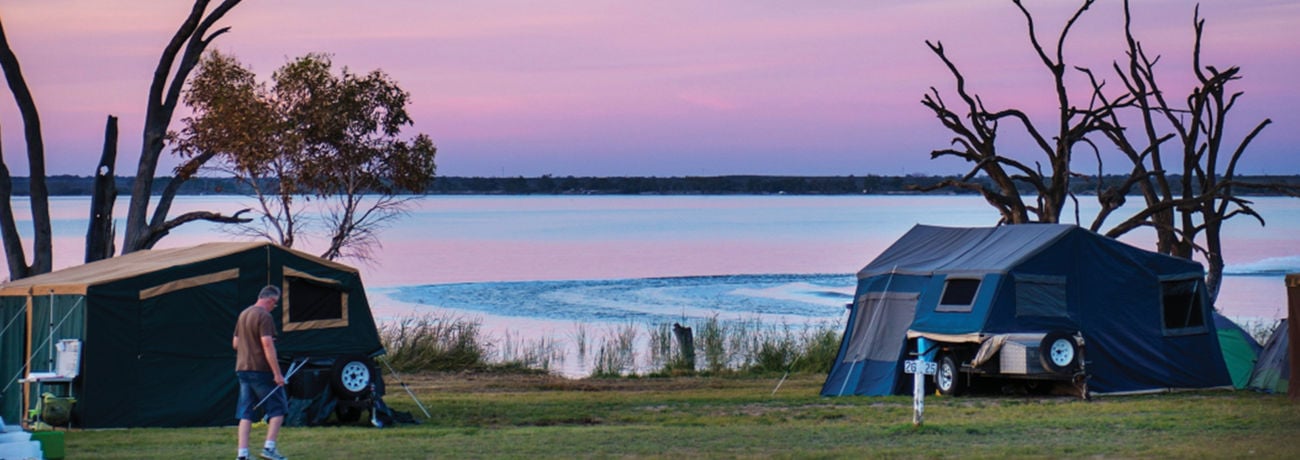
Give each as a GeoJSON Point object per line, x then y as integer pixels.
{"type": "Point", "coordinates": [351, 376]}
{"type": "Point", "coordinates": [1059, 352]}
{"type": "Point", "coordinates": [946, 378]}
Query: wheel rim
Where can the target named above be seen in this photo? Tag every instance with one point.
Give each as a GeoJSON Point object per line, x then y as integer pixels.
{"type": "Point", "coordinates": [355, 376]}
{"type": "Point", "coordinates": [945, 377]}
{"type": "Point", "coordinates": [1062, 352]}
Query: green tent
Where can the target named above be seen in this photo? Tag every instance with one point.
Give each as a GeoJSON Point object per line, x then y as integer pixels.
{"type": "Point", "coordinates": [155, 328]}
{"type": "Point", "coordinates": [1240, 350]}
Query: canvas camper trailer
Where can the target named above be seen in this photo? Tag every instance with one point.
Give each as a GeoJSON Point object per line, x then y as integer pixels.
{"type": "Point", "coordinates": [154, 329]}
{"type": "Point", "coordinates": [1041, 301]}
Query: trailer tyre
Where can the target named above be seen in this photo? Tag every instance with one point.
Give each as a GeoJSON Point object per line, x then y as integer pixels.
{"type": "Point", "coordinates": [1059, 352]}
{"type": "Point", "coordinates": [351, 376]}
{"type": "Point", "coordinates": [947, 378]}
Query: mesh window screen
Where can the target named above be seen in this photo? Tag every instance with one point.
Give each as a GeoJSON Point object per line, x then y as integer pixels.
{"type": "Point", "coordinates": [313, 301]}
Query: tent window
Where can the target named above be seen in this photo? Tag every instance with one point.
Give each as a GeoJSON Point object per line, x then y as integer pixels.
{"type": "Point", "coordinates": [1181, 307]}
{"type": "Point", "coordinates": [958, 294]}
{"type": "Point", "coordinates": [313, 304]}
{"type": "Point", "coordinates": [1041, 296]}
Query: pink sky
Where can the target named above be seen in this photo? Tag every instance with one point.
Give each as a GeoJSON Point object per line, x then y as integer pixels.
{"type": "Point", "coordinates": [668, 88]}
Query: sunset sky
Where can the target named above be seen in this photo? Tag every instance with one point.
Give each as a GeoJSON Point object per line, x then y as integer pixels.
{"type": "Point", "coordinates": [664, 88]}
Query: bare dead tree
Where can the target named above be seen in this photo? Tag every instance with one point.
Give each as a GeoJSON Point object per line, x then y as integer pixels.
{"type": "Point", "coordinates": [1205, 197]}
{"type": "Point", "coordinates": [1186, 207]}
{"type": "Point", "coordinates": [976, 143]}
{"type": "Point", "coordinates": [99, 234]}
{"type": "Point", "coordinates": [193, 38]}
{"type": "Point", "coordinates": [39, 196]}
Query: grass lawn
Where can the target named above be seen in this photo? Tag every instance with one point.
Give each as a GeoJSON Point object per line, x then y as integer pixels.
{"type": "Point", "coordinates": [478, 416]}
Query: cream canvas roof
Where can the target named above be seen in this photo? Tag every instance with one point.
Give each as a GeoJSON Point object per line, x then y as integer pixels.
{"type": "Point", "coordinates": [75, 280]}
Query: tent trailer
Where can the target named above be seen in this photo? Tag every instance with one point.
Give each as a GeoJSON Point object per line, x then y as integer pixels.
{"type": "Point", "coordinates": [1032, 302]}
{"type": "Point", "coordinates": [154, 330]}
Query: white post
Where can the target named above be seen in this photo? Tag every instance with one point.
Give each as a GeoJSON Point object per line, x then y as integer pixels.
{"type": "Point", "coordinates": [918, 397]}
{"type": "Point", "coordinates": [918, 382]}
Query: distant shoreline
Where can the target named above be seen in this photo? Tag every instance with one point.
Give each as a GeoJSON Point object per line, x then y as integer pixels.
{"type": "Point", "coordinates": [68, 185]}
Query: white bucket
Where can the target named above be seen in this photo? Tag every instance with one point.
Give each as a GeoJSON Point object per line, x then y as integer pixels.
{"type": "Point", "coordinates": [69, 361]}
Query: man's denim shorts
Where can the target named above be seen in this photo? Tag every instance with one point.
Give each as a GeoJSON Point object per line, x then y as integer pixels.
{"type": "Point", "coordinates": [254, 386]}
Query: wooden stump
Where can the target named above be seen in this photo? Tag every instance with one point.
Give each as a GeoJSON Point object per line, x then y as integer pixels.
{"type": "Point", "coordinates": [685, 345]}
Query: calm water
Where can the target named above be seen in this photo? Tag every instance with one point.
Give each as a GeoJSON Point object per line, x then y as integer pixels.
{"type": "Point", "coordinates": [541, 264]}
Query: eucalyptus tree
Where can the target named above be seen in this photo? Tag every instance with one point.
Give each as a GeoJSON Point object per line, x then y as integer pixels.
{"type": "Point", "coordinates": [311, 134]}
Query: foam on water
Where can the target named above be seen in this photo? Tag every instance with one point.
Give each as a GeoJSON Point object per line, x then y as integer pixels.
{"type": "Point", "coordinates": [770, 299]}
{"type": "Point", "coordinates": [1272, 266]}
{"type": "Point", "coordinates": [796, 299]}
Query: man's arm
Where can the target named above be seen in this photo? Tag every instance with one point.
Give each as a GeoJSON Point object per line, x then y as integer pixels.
{"type": "Point", "coordinates": [268, 346]}
{"type": "Point", "coordinates": [234, 342]}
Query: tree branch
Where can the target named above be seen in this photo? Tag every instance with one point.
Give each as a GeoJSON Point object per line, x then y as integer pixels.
{"type": "Point", "coordinates": [156, 233]}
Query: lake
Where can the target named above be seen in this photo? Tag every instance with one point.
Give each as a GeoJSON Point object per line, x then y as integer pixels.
{"type": "Point", "coordinates": [535, 266]}
{"type": "Point", "coordinates": [449, 241]}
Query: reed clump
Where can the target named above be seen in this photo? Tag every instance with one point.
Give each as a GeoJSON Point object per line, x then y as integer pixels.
{"type": "Point", "coordinates": [540, 354]}
{"type": "Point", "coordinates": [449, 343]}
{"type": "Point", "coordinates": [434, 343]}
{"type": "Point", "coordinates": [616, 354]}
{"type": "Point", "coordinates": [750, 346]}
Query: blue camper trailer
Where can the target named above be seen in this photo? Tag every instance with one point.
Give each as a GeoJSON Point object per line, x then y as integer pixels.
{"type": "Point", "coordinates": [1034, 302]}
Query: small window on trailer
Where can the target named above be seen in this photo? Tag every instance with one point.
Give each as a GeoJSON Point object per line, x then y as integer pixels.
{"type": "Point", "coordinates": [1181, 307]}
{"type": "Point", "coordinates": [1041, 296]}
{"type": "Point", "coordinates": [312, 302]}
{"type": "Point", "coordinates": [958, 294]}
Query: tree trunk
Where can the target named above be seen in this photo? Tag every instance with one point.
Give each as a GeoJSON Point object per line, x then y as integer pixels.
{"type": "Point", "coordinates": [13, 243]}
{"type": "Point", "coordinates": [99, 234]}
{"type": "Point", "coordinates": [42, 252]}
{"type": "Point", "coordinates": [685, 347]}
{"type": "Point", "coordinates": [1214, 260]}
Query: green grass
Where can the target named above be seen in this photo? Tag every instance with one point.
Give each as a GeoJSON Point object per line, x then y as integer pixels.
{"type": "Point", "coordinates": [528, 416]}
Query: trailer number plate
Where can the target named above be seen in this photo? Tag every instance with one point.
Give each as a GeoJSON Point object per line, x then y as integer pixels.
{"type": "Point", "coordinates": [926, 367]}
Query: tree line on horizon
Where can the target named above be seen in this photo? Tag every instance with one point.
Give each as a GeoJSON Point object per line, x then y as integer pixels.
{"type": "Point", "coordinates": [72, 185]}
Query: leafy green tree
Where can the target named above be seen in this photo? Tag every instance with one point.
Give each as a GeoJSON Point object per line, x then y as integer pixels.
{"type": "Point", "coordinates": [311, 134]}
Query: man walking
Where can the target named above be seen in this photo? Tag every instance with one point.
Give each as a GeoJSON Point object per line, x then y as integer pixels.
{"type": "Point", "coordinates": [258, 370]}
